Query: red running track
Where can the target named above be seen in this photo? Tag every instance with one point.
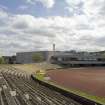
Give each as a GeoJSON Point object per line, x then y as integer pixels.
{"type": "Point", "coordinates": [89, 80]}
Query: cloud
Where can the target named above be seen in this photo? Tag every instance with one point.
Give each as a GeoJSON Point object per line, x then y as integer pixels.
{"type": "Point", "coordinates": [74, 6]}
{"type": "Point", "coordinates": [3, 14]}
{"type": "Point", "coordinates": [93, 8]}
{"type": "Point", "coordinates": [73, 2]}
{"type": "Point", "coordinates": [46, 3]}
{"type": "Point", "coordinates": [23, 7]}
{"type": "Point", "coordinates": [84, 31]}
{"type": "Point", "coordinates": [2, 7]}
{"type": "Point", "coordinates": [90, 8]}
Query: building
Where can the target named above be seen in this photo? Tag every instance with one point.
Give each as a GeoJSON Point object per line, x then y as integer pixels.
{"type": "Point", "coordinates": [9, 59]}
{"type": "Point", "coordinates": [78, 59]}
{"type": "Point", "coordinates": [27, 57]}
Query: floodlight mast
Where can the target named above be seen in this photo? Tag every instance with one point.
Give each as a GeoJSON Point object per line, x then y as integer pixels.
{"type": "Point", "coordinates": [53, 49]}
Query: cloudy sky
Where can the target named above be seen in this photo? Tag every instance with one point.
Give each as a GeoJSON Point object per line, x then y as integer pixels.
{"type": "Point", "coordinates": [27, 25]}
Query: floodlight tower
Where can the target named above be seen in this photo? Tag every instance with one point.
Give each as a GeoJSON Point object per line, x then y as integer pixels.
{"type": "Point", "coordinates": [53, 49]}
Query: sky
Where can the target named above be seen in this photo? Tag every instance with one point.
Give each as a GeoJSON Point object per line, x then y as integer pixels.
{"type": "Point", "coordinates": [32, 25]}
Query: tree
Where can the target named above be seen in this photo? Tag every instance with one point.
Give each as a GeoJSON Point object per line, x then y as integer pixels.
{"type": "Point", "coordinates": [2, 61]}
{"type": "Point", "coordinates": [38, 57]}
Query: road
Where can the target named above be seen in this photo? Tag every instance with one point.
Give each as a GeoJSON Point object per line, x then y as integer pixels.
{"type": "Point", "coordinates": [17, 88]}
